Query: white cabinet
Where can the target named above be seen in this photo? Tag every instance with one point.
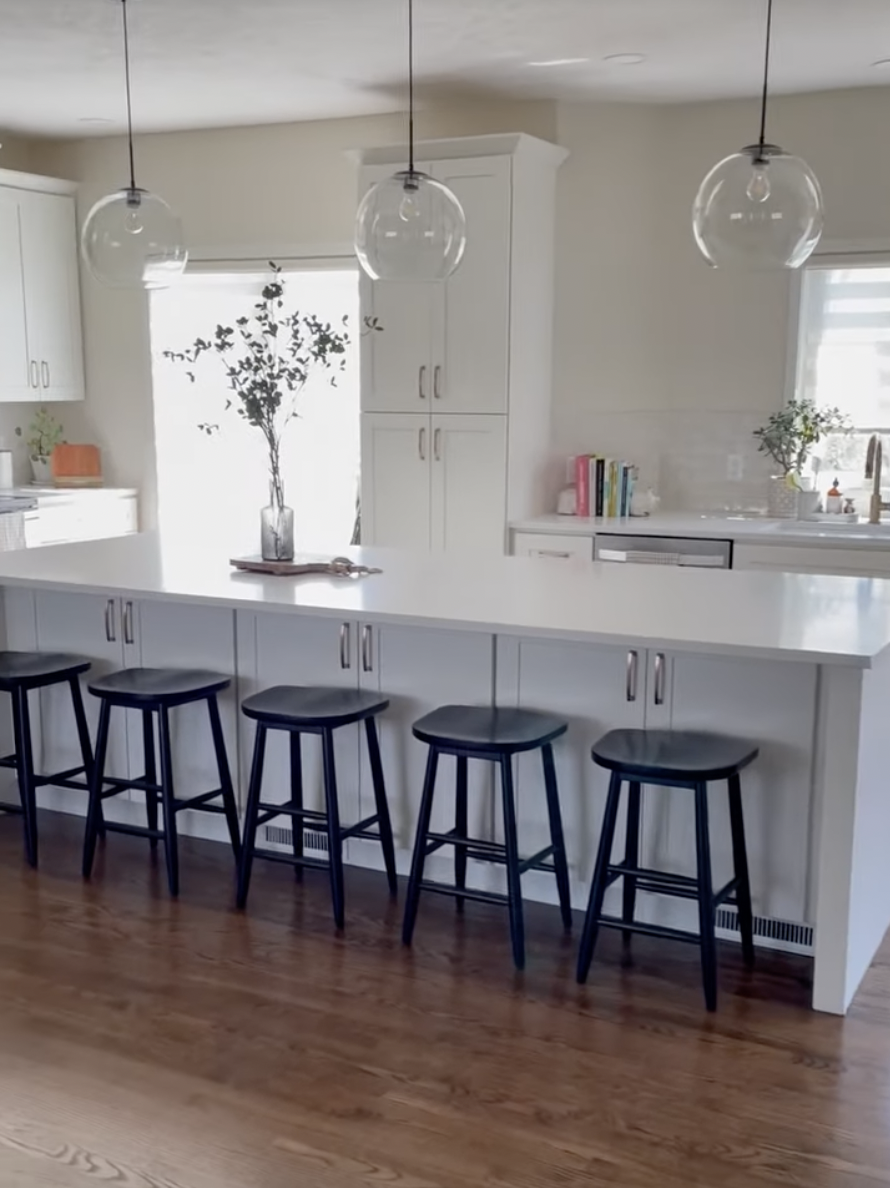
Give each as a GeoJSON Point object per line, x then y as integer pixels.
{"type": "Point", "coordinates": [62, 516]}
{"type": "Point", "coordinates": [828, 559]}
{"type": "Point", "coordinates": [477, 345]}
{"type": "Point", "coordinates": [434, 482]}
{"type": "Point", "coordinates": [39, 291]}
{"type": "Point", "coordinates": [15, 373]}
{"type": "Point", "coordinates": [396, 479]}
{"type": "Point", "coordinates": [545, 544]}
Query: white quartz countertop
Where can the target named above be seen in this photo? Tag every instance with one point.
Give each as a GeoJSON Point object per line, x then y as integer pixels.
{"type": "Point", "coordinates": [804, 617]}
{"type": "Point", "coordinates": [718, 527]}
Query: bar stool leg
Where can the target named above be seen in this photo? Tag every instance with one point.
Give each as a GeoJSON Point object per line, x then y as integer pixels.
{"type": "Point", "coordinates": [384, 824]}
{"type": "Point", "coordinates": [514, 889]}
{"type": "Point", "coordinates": [230, 805]}
{"type": "Point", "coordinates": [251, 814]}
{"type": "Point", "coordinates": [600, 879]}
{"type": "Point", "coordinates": [21, 720]}
{"type": "Point", "coordinates": [296, 796]}
{"type": "Point", "coordinates": [740, 863]}
{"type": "Point", "coordinates": [171, 843]}
{"type": "Point", "coordinates": [705, 898]}
{"type": "Point", "coordinates": [83, 735]}
{"type": "Point", "coordinates": [423, 825]}
{"type": "Point", "coordinates": [631, 859]}
{"type": "Point", "coordinates": [94, 813]}
{"type": "Point", "coordinates": [461, 826]}
{"type": "Point", "coordinates": [557, 838]}
{"type": "Point", "coordinates": [151, 773]}
{"type": "Point", "coordinates": [335, 840]}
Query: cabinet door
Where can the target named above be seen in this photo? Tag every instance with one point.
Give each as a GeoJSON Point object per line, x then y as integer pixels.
{"type": "Point", "coordinates": [89, 625]}
{"type": "Point", "coordinates": [559, 548]}
{"type": "Point", "coordinates": [16, 375]}
{"type": "Point", "coordinates": [397, 363]}
{"type": "Point", "coordinates": [419, 669]}
{"type": "Point", "coordinates": [182, 635]}
{"type": "Point", "coordinates": [595, 689]}
{"type": "Point", "coordinates": [773, 704]}
{"type": "Point", "coordinates": [469, 484]}
{"type": "Point", "coordinates": [396, 452]}
{"type": "Point", "coordinates": [471, 352]}
{"type": "Point", "coordinates": [52, 293]}
{"type": "Point", "coordinates": [276, 649]}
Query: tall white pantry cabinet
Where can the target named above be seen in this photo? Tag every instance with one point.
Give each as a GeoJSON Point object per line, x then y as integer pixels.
{"type": "Point", "coordinates": [456, 385]}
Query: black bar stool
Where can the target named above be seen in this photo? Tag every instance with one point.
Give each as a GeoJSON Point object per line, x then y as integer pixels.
{"type": "Point", "coordinates": [20, 672]}
{"type": "Point", "coordinates": [671, 759]}
{"type": "Point", "coordinates": [302, 710]}
{"type": "Point", "coordinates": [494, 735]}
{"type": "Point", "coordinates": [157, 691]}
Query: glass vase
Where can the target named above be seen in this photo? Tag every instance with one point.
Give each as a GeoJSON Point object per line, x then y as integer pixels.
{"type": "Point", "coordinates": [277, 528]}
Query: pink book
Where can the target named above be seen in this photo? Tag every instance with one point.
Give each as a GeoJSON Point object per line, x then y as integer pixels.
{"type": "Point", "coordinates": [582, 485]}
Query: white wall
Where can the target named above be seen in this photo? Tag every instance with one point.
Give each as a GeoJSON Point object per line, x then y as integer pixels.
{"type": "Point", "coordinates": [659, 358]}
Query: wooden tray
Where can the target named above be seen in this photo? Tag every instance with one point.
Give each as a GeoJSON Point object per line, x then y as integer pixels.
{"type": "Point", "coordinates": [301, 566]}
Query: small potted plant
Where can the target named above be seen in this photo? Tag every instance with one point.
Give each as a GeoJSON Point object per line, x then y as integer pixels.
{"type": "Point", "coordinates": [789, 437]}
{"type": "Point", "coordinates": [44, 434]}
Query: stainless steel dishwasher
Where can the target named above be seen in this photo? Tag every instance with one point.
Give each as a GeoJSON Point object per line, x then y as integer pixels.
{"type": "Point", "coordinates": [690, 552]}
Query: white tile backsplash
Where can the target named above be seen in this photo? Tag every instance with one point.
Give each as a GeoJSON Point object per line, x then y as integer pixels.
{"type": "Point", "coordinates": [686, 456]}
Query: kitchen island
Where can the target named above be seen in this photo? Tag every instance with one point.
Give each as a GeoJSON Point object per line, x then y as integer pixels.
{"type": "Point", "coordinates": [798, 663]}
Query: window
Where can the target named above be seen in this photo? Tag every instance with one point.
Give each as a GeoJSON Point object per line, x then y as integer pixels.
{"type": "Point", "coordinates": [844, 358]}
{"type": "Point", "coordinates": [221, 481]}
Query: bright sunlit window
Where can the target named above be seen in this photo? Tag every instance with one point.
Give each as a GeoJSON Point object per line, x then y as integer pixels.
{"type": "Point", "coordinates": [220, 481]}
{"type": "Point", "coordinates": [844, 357]}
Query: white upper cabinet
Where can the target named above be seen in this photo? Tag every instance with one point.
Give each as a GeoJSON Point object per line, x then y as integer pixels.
{"type": "Point", "coordinates": [42, 356]}
{"type": "Point", "coordinates": [52, 293]}
{"type": "Point", "coordinates": [15, 379]}
{"type": "Point", "coordinates": [472, 329]}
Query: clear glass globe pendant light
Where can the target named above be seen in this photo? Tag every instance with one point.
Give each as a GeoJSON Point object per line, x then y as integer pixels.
{"type": "Point", "coordinates": [761, 208]}
{"type": "Point", "coordinates": [410, 227]}
{"type": "Point", "coordinates": [132, 239]}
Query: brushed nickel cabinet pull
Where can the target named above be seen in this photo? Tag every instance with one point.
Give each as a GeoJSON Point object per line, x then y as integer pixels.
{"type": "Point", "coordinates": [659, 678]}
{"type": "Point", "coordinates": [129, 637]}
{"type": "Point", "coordinates": [110, 634]}
{"type": "Point", "coordinates": [345, 658]}
{"type": "Point", "coordinates": [633, 660]}
{"type": "Point", "coordinates": [35, 374]}
{"type": "Point", "coordinates": [367, 650]}
{"type": "Point", "coordinates": [421, 382]}
{"type": "Point", "coordinates": [44, 371]}
{"type": "Point", "coordinates": [421, 444]}
{"type": "Point", "coordinates": [437, 381]}
{"type": "Point", "coordinates": [437, 445]}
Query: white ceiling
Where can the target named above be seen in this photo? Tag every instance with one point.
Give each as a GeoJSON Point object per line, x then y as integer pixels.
{"type": "Point", "coordinates": [206, 63]}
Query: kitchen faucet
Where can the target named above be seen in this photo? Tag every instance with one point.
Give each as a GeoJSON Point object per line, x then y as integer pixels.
{"type": "Point", "coordinates": [874, 462]}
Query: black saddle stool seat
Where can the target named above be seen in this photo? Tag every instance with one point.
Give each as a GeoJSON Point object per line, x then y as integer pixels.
{"type": "Point", "coordinates": [157, 691]}
{"type": "Point", "coordinates": [494, 735]}
{"type": "Point", "coordinates": [21, 672]}
{"type": "Point", "coordinates": [300, 710]}
{"type": "Point", "coordinates": [671, 759]}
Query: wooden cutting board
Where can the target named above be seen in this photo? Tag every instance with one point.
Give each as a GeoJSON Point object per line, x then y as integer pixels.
{"type": "Point", "coordinates": [77, 465]}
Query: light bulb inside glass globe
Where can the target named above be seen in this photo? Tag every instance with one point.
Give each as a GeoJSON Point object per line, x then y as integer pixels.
{"type": "Point", "coordinates": [132, 240]}
{"type": "Point", "coordinates": [759, 209]}
{"type": "Point", "coordinates": [410, 227]}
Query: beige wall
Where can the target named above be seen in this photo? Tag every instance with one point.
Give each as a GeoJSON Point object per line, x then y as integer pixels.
{"type": "Point", "coordinates": [658, 356]}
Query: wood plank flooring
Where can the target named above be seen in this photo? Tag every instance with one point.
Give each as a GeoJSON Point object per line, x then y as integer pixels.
{"type": "Point", "coordinates": [152, 1044]}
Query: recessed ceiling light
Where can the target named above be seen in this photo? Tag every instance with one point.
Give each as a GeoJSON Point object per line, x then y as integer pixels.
{"type": "Point", "coordinates": [560, 62]}
{"type": "Point", "coordinates": [882, 62]}
{"type": "Point", "coordinates": [625, 59]}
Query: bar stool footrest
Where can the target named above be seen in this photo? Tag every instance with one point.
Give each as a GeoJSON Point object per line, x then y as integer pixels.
{"type": "Point", "coordinates": [133, 830]}
{"type": "Point", "coordinates": [659, 882]}
{"type": "Point", "coordinates": [268, 812]}
{"type": "Point", "coordinates": [291, 859]}
{"type": "Point", "coordinates": [201, 802]}
{"type": "Point", "coordinates": [464, 893]}
{"type": "Point", "coordinates": [657, 930]}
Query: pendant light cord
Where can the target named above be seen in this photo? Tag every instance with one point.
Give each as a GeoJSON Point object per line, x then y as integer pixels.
{"type": "Point", "coordinates": [129, 100]}
{"type": "Point", "coordinates": [769, 36]}
{"type": "Point", "coordinates": [411, 86]}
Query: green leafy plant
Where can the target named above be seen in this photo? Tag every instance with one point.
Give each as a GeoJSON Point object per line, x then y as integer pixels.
{"type": "Point", "coordinates": [790, 434]}
{"type": "Point", "coordinates": [269, 356]}
{"type": "Point", "coordinates": [44, 434]}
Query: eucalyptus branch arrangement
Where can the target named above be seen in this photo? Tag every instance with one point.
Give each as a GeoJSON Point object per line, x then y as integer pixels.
{"type": "Point", "coordinates": [269, 356]}
{"type": "Point", "coordinates": [790, 434]}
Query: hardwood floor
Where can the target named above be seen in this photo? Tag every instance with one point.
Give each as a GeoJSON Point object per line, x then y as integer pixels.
{"type": "Point", "coordinates": [151, 1044]}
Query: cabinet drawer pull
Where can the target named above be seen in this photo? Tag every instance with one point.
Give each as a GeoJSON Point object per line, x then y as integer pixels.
{"type": "Point", "coordinates": [659, 678]}
{"type": "Point", "coordinates": [421, 445]}
{"type": "Point", "coordinates": [345, 635]}
{"type": "Point", "coordinates": [110, 633]}
{"type": "Point", "coordinates": [129, 637]}
{"type": "Point", "coordinates": [421, 382]}
{"type": "Point", "coordinates": [367, 650]}
{"type": "Point", "coordinates": [35, 374]}
{"type": "Point", "coordinates": [437, 445]}
{"type": "Point", "coordinates": [552, 553]}
{"type": "Point", "coordinates": [44, 371]}
{"type": "Point", "coordinates": [633, 663]}
{"type": "Point", "coordinates": [437, 382]}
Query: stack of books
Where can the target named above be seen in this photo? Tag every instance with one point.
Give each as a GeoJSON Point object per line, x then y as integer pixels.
{"type": "Point", "coordinates": [603, 486]}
